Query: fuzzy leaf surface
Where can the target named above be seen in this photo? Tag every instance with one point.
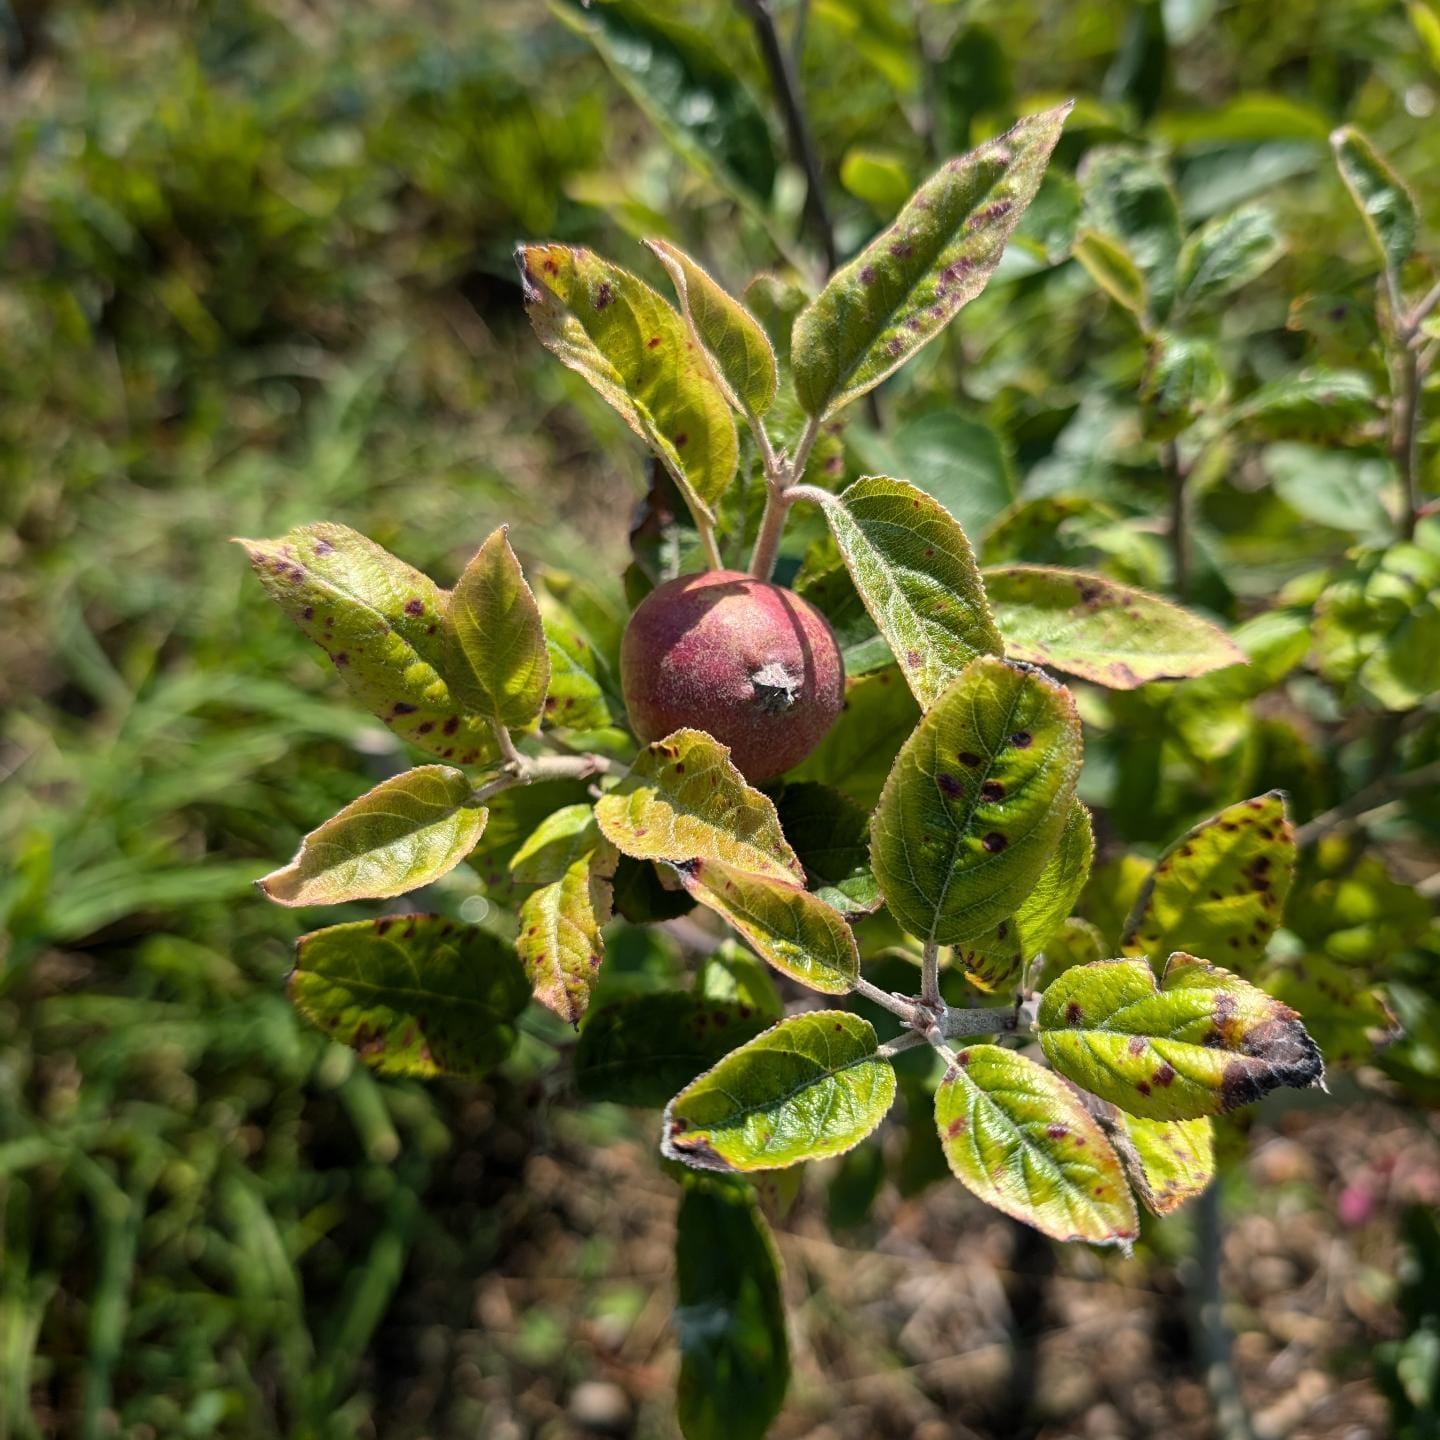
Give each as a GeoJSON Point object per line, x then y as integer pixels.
{"type": "Point", "coordinates": [641, 1050]}
{"type": "Point", "coordinates": [797, 932]}
{"type": "Point", "coordinates": [381, 623]}
{"type": "Point", "coordinates": [683, 800]}
{"type": "Point", "coordinates": [1168, 1161]}
{"type": "Point", "coordinates": [1112, 634]}
{"type": "Point", "coordinates": [411, 994]}
{"type": "Point", "coordinates": [914, 569]}
{"type": "Point", "coordinates": [740, 353]}
{"type": "Point", "coordinates": [620, 336]}
{"type": "Point", "coordinates": [1384, 202]}
{"type": "Point", "coordinates": [729, 1314]}
{"type": "Point", "coordinates": [1221, 888]}
{"type": "Point", "coordinates": [976, 801]}
{"type": "Point", "coordinates": [494, 639]}
{"type": "Point", "coordinates": [1201, 1042]}
{"type": "Point", "coordinates": [997, 958]}
{"type": "Point", "coordinates": [406, 832]}
{"type": "Point", "coordinates": [806, 1088]}
{"type": "Point", "coordinates": [1019, 1138]}
{"type": "Point", "coordinates": [908, 283]}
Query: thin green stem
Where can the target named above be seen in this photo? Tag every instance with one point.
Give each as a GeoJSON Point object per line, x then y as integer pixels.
{"type": "Point", "coordinates": [780, 476]}
{"type": "Point", "coordinates": [707, 543]}
{"type": "Point", "coordinates": [509, 755]}
{"type": "Point", "coordinates": [1407, 439]}
{"type": "Point", "coordinates": [1179, 525]}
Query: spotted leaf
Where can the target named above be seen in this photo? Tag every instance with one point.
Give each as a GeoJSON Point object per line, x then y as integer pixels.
{"type": "Point", "coordinates": [1111, 634]}
{"type": "Point", "coordinates": [741, 356]}
{"type": "Point", "coordinates": [560, 944]}
{"type": "Point", "coordinates": [1221, 888]}
{"type": "Point", "coordinates": [494, 640]}
{"type": "Point", "coordinates": [997, 958]}
{"type": "Point", "coordinates": [797, 932]}
{"type": "Point", "coordinates": [976, 802]}
{"type": "Point", "coordinates": [915, 571]}
{"type": "Point", "coordinates": [411, 994]}
{"type": "Point", "coordinates": [908, 283]}
{"type": "Point", "coordinates": [1168, 1161]}
{"type": "Point", "coordinates": [1020, 1139]}
{"type": "Point", "coordinates": [406, 832]}
{"type": "Point", "coordinates": [620, 336]}
{"type": "Point", "coordinates": [683, 800]}
{"type": "Point", "coordinates": [380, 621]}
{"type": "Point", "coordinates": [806, 1088]}
{"type": "Point", "coordinates": [1201, 1042]}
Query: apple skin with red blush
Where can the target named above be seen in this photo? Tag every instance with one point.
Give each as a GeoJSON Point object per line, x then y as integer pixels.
{"type": "Point", "coordinates": [748, 662]}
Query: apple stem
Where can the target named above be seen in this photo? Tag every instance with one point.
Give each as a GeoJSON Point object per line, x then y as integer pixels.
{"type": "Point", "coordinates": [707, 542]}
{"type": "Point", "coordinates": [781, 474]}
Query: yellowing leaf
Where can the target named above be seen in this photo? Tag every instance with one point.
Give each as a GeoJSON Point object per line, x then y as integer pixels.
{"type": "Point", "coordinates": [976, 801]}
{"type": "Point", "coordinates": [1168, 1161]}
{"type": "Point", "coordinates": [1221, 888]}
{"type": "Point", "coordinates": [997, 958]}
{"type": "Point", "coordinates": [683, 800]}
{"type": "Point", "coordinates": [406, 832]}
{"type": "Point", "coordinates": [1092, 627]}
{"type": "Point", "coordinates": [1018, 1137]}
{"type": "Point", "coordinates": [908, 283]}
{"type": "Point", "coordinates": [1202, 1042]}
{"type": "Point", "coordinates": [914, 569]}
{"type": "Point", "coordinates": [560, 944]}
{"type": "Point", "coordinates": [380, 621]}
{"type": "Point", "coordinates": [619, 335]}
{"type": "Point", "coordinates": [808, 1087]}
{"type": "Point", "coordinates": [411, 994]}
{"type": "Point", "coordinates": [741, 356]}
{"type": "Point", "coordinates": [494, 640]}
{"type": "Point", "coordinates": [798, 933]}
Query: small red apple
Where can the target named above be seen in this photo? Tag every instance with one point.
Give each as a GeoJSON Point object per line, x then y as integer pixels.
{"type": "Point", "coordinates": [748, 662]}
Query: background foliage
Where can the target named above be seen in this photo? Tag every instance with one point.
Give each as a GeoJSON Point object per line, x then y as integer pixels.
{"type": "Point", "coordinates": [256, 271]}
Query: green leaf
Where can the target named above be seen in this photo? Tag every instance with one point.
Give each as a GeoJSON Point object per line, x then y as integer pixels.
{"type": "Point", "coordinates": [1202, 1042]}
{"type": "Point", "coordinates": [731, 973]}
{"type": "Point", "coordinates": [831, 835]}
{"type": "Point", "coordinates": [878, 177]}
{"type": "Point", "coordinates": [1019, 1138]}
{"type": "Point", "coordinates": [976, 801]}
{"type": "Point", "coordinates": [1386, 206]}
{"type": "Point", "coordinates": [1221, 888]}
{"type": "Point", "coordinates": [560, 944]}
{"type": "Point", "coordinates": [1107, 262]}
{"type": "Point", "coordinates": [1168, 1161]}
{"type": "Point", "coordinates": [741, 356]}
{"type": "Point", "coordinates": [798, 933]}
{"type": "Point", "coordinates": [1312, 405]}
{"type": "Point", "coordinates": [1128, 198]}
{"type": "Point", "coordinates": [680, 82]}
{"type": "Point", "coordinates": [916, 573]}
{"type": "Point", "coordinates": [1112, 634]}
{"type": "Point", "coordinates": [577, 698]}
{"type": "Point", "coordinates": [1346, 1015]}
{"type": "Point", "coordinates": [643, 894]}
{"type": "Point", "coordinates": [729, 1315]}
{"type": "Point", "coordinates": [808, 1087]}
{"type": "Point", "coordinates": [1338, 488]}
{"type": "Point", "coordinates": [856, 754]}
{"type": "Point", "coordinates": [406, 832]}
{"type": "Point", "coordinates": [1183, 379]}
{"type": "Point", "coordinates": [411, 994]}
{"type": "Point", "coordinates": [561, 838]}
{"type": "Point", "coordinates": [641, 1050]}
{"type": "Point", "coordinates": [906, 285]}
{"type": "Point", "coordinates": [615, 332]}
{"type": "Point", "coordinates": [494, 640]}
{"type": "Point", "coordinates": [997, 958]}
{"type": "Point", "coordinates": [1076, 942]}
{"type": "Point", "coordinates": [683, 800]}
{"type": "Point", "coordinates": [381, 622]}
{"type": "Point", "coordinates": [1226, 253]}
